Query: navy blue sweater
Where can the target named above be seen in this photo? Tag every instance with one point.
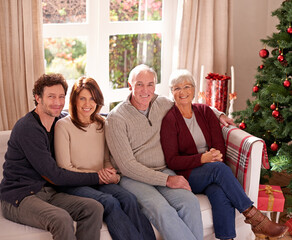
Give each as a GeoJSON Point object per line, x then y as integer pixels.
{"type": "Point", "coordinates": [29, 163]}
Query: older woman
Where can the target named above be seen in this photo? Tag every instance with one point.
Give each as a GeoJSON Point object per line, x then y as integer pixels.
{"type": "Point", "coordinates": [194, 147]}
{"type": "Point", "coordinates": [80, 146]}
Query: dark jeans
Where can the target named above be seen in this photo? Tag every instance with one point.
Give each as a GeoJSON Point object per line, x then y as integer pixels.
{"type": "Point", "coordinates": [225, 193]}
{"type": "Point", "coordinates": [122, 214]}
{"type": "Point", "coordinates": [55, 212]}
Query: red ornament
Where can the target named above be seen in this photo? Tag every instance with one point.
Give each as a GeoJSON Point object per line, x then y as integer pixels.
{"type": "Point", "coordinates": [273, 106]}
{"type": "Point", "coordinates": [256, 107]}
{"type": "Point", "coordinates": [264, 53]}
{"type": "Point", "coordinates": [286, 83]}
{"type": "Point", "coordinates": [262, 66]}
{"type": "Point", "coordinates": [289, 30]}
{"type": "Point", "coordinates": [275, 113]}
{"type": "Point", "coordinates": [242, 125]}
{"type": "Point", "coordinates": [281, 58]}
{"type": "Point", "coordinates": [255, 89]}
{"type": "Point", "coordinates": [274, 146]}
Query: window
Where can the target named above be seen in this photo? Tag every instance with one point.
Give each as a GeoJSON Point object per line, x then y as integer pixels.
{"type": "Point", "coordinates": [105, 39]}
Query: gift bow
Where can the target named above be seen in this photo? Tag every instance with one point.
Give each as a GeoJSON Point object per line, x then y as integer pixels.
{"type": "Point", "coordinates": [232, 96]}
{"type": "Point", "coordinates": [201, 95]}
{"type": "Point", "coordinates": [269, 191]}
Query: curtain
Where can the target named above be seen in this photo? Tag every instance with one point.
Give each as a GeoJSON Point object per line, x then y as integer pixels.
{"type": "Point", "coordinates": [21, 57]}
{"type": "Point", "coordinates": [203, 30]}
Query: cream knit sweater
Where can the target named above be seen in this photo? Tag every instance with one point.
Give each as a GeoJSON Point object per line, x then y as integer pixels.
{"type": "Point", "coordinates": [80, 151]}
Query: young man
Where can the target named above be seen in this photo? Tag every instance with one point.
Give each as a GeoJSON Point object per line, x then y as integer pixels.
{"type": "Point", "coordinates": [30, 172]}
{"type": "Point", "coordinates": [133, 137]}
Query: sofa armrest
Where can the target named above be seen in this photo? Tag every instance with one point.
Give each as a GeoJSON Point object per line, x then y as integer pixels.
{"type": "Point", "coordinates": [253, 172]}
{"type": "Point", "coordinates": [244, 155]}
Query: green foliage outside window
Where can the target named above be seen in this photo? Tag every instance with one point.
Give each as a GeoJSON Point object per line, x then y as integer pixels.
{"type": "Point", "coordinates": [127, 51]}
{"type": "Point", "coordinates": [134, 10]}
{"type": "Point", "coordinates": [66, 56]}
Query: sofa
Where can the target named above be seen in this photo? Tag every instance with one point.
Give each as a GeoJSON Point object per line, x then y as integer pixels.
{"type": "Point", "coordinates": [254, 153]}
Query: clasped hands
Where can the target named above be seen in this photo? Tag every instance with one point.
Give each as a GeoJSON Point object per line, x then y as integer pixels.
{"type": "Point", "coordinates": [213, 155]}
{"type": "Point", "coordinates": [108, 176]}
{"type": "Point", "coordinates": [177, 181]}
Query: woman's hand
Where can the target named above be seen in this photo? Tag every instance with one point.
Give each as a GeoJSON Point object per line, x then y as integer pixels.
{"type": "Point", "coordinates": [213, 155]}
{"type": "Point", "coordinates": [108, 176]}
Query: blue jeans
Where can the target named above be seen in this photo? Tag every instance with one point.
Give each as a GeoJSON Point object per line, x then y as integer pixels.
{"type": "Point", "coordinates": [174, 212]}
{"type": "Point", "coordinates": [122, 214]}
{"type": "Point", "coordinates": [224, 192]}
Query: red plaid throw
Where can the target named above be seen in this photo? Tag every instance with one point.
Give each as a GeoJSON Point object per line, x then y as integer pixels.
{"type": "Point", "coordinates": [238, 150]}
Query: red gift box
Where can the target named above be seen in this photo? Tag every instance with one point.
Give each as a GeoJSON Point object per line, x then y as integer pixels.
{"type": "Point", "coordinates": [217, 91]}
{"type": "Point", "coordinates": [289, 225]}
{"type": "Point", "coordinates": [271, 198]}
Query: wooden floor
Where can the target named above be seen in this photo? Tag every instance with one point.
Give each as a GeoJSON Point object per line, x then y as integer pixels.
{"type": "Point", "coordinates": [282, 180]}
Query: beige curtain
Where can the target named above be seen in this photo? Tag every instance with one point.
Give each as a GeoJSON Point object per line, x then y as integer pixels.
{"type": "Point", "coordinates": [203, 30]}
{"type": "Point", "coordinates": [21, 57]}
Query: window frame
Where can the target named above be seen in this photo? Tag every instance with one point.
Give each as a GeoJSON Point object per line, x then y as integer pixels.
{"type": "Point", "coordinates": [97, 30]}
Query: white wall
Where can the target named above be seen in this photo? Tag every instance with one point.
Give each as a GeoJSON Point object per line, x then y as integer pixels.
{"type": "Point", "coordinates": [251, 21]}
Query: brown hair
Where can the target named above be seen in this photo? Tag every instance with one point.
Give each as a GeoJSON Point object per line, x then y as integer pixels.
{"type": "Point", "coordinates": [48, 80]}
{"type": "Point", "coordinates": [91, 85]}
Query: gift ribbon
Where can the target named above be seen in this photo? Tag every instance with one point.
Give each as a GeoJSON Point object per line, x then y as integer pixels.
{"type": "Point", "coordinates": [201, 95]}
{"type": "Point", "coordinates": [232, 96]}
{"type": "Point", "coordinates": [269, 191]}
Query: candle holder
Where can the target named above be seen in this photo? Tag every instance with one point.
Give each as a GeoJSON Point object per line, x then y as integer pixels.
{"type": "Point", "coordinates": [217, 91]}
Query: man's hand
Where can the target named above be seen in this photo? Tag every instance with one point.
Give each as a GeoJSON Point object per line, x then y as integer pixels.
{"type": "Point", "coordinates": [213, 155]}
{"type": "Point", "coordinates": [178, 182]}
{"type": "Point", "coordinates": [226, 121]}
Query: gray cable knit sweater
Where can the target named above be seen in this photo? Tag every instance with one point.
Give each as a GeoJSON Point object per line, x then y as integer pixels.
{"type": "Point", "coordinates": [134, 140]}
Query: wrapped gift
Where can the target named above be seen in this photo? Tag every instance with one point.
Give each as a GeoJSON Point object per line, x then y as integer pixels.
{"type": "Point", "coordinates": [217, 91]}
{"type": "Point", "coordinates": [271, 198]}
{"type": "Point", "coordinates": [289, 225]}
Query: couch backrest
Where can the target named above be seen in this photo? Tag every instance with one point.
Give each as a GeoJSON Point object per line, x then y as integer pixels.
{"type": "Point", "coordinates": [4, 137]}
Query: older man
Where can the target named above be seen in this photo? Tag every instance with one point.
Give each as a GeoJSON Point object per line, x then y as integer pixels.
{"type": "Point", "coordinates": [133, 137]}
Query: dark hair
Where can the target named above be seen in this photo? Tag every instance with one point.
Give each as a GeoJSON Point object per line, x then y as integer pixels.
{"type": "Point", "coordinates": [48, 80]}
{"type": "Point", "coordinates": [91, 85]}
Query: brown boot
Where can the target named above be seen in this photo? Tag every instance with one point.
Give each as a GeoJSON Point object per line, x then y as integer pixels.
{"type": "Point", "coordinates": [261, 225]}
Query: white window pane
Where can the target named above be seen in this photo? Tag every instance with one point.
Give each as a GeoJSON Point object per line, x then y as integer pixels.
{"type": "Point", "coordinates": [127, 51]}
{"type": "Point", "coordinates": [134, 10]}
{"type": "Point", "coordinates": [66, 56]}
{"type": "Point", "coordinates": [63, 11]}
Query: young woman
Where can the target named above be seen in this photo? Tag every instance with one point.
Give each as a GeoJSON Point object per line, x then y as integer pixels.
{"type": "Point", "coordinates": [194, 147]}
{"type": "Point", "coordinates": [80, 146]}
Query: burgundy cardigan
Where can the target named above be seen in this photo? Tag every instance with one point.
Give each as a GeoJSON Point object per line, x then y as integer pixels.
{"type": "Point", "coordinates": [180, 151]}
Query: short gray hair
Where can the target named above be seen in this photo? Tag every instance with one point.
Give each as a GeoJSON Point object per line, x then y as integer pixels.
{"type": "Point", "coordinates": [141, 68]}
{"type": "Point", "coordinates": [179, 76]}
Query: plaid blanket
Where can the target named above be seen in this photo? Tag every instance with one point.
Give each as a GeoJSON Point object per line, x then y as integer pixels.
{"type": "Point", "coordinates": [238, 151]}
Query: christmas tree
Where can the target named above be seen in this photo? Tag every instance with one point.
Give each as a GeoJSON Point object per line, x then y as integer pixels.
{"type": "Point", "coordinates": [269, 116]}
